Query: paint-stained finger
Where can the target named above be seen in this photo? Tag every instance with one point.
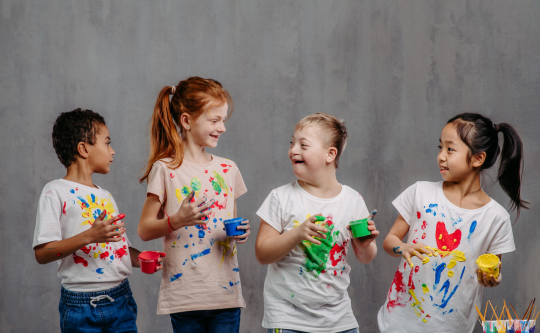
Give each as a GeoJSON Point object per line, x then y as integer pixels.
{"type": "Point", "coordinates": [313, 240]}
{"type": "Point", "coordinates": [408, 260]}
{"type": "Point", "coordinates": [373, 213]}
{"type": "Point", "coordinates": [318, 228]}
{"type": "Point", "coordinates": [419, 255]}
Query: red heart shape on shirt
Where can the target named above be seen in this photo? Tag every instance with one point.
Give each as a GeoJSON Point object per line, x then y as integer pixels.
{"type": "Point", "coordinates": [446, 241]}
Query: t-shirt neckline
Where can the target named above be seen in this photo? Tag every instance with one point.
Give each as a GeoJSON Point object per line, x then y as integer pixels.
{"type": "Point", "coordinates": [320, 199]}
{"type": "Point", "coordinates": [464, 210]}
{"type": "Point", "coordinates": [72, 183]}
{"type": "Point", "coordinates": [201, 165]}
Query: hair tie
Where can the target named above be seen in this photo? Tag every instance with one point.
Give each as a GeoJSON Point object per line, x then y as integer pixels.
{"type": "Point", "coordinates": [496, 127]}
{"type": "Point", "coordinates": [173, 88]}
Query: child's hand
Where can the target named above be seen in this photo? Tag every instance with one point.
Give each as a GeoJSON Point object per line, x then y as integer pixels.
{"type": "Point", "coordinates": [308, 230]}
{"type": "Point", "coordinates": [243, 238]}
{"type": "Point", "coordinates": [409, 250]}
{"type": "Point", "coordinates": [363, 242]}
{"type": "Point", "coordinates": [489, 281]}
{"type": "Point", "coordinates": [190, 214]}
{"type": "Point", "coordinates": [105, 231]}
{"type": "Point", "coordinates": [160, 260]}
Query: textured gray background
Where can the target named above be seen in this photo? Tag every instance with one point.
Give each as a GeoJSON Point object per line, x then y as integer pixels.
{"type": "Point", "coordinates": [394, 70]}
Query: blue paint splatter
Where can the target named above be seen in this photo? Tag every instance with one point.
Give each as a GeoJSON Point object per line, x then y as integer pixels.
{"type": "Point", "coordinates": [186, 246]}
{"type": "Point", "coordinates": [190, 235]}
{"type": "Point", "coordinates": [236, 269]}
{"type": "Point", "coordinates": [93, 197]}
{"type": "Point", "coordinates": [201, 234]}
{"type": "Point", "coordinates": [445, 287]}
{"type": "Point", "coordinates": [456, 221]}
{"type": "Point", "coordinates": [231, 283]}
{"type": "Point", "coordinates": [432, 209]}
{"type": "Point", "coordinates": [174, 277]}
{"type": "Point", "coordinates": [200, 254]}
{"type": "Point", "coordinates": [112, 257]}
{"type": "Point", "coordinates": [184, 262]}
{"type": "Point", "coordinates": [215, 220]}
{"type": "Point", "coordinates": [99, 270]}
{"type": "Point", "coordinates": [472, 229]}
{"type": "Point", "coordinates": [438, 272]}
{"type": "Point", "coordinates": [234, 283]}
{"type": "Point", "coordinates": [212, 241]}
{"type": "Point", "coordinates": [72, 191]}
{"type": "Point", "coordinates": [85, 203]}
{"type": "Point", "coordinates": [396, 250]}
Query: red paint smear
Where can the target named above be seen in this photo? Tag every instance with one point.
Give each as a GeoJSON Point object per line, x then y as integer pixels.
{"type": "Point", "coordinates": [447, 239]}
{"type": "Point", "coordinates": [225, 195]}
{"type": "Point", "coordinates": [336, 249]}
{"type": "Point", "coordinates": [424, 225]}
{"type": "Point", "coordinates": [172, 176]}
{"type": "Point", "coordinates": [79, 260]}
{"type": "Point", "coordinates": [205, 171]}
{"type": "Point", "coordinates": [400, 288]}
{"type": "Point", "coordinates": [225, 170]}
{"type": "Point", "coordinates": [123, 239]}
{"type": "Point", "coordinates": [415, 240]}
{"type": "Point", "coordinates": [323, 271]}
{"type": "Point", "coordinates": [64, 209]}
{"type": "Point", "coordinates": [411, 282]}
{"type": "Point", "coordinates": [424, 235]}
{"type": "Point", "coordinates": [335, 273]}
{"type": "Point", "coordinates": [119, 253]}
{"type": "Point", "coordinates": [59, 254]}
{"type": "Point", "coordinates": [216, 203]}
{"type": "Point", "coordinates": [94, 247]}
{"type": "Point", "coordinates": [415, 230]}
{"type": "Point", "coordinates": [86, 249]}
{"type": "Point", "coordinates": [104, 255]}
{"type": "Point", "coordinates": [125, 246]}
{"type": "Point", "coordinates": [418, 214]}
{"type": "Point", "coordinates": [416, 269]}
{"type": "Point", "coordinates": [329, 222]}
{"type": "Point", "coordinates": [223, 165]}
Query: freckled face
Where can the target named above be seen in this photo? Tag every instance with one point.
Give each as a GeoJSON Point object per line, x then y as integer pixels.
{"type": "Point", "coordinates": [307, 153]}
{"type": "Point", "coordinates": [453, 157]}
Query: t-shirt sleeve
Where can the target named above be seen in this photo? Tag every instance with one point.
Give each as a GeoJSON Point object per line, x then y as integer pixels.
{"type": "Point", "coordinates": [503, 241]}
{"type": "Point", "coordinates": [239, 185]}
{"type": "Point", "coordinates": [48, 227]}
{"type": "Point", "coordinates": [270, 211]}
{"type": "Point", "coordinates": [156, 182]}
{"type": "Point", "coordinates": [404, 203]}
{"type": "Point", "coordinates": [361, 210]}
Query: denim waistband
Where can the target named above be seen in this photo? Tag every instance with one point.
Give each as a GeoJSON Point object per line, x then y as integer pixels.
{"type": "Point", "coordinates": [77, 297]}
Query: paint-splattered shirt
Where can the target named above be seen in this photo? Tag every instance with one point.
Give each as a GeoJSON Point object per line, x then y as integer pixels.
{"type": "Point", "coordinates": [307, 289]}
{"type": "Point", "coordinates": [439, 295]}
{"type": "Point", "coordinates": [201, 270]}
{"type": "Point", "coordinates": [66, 209]}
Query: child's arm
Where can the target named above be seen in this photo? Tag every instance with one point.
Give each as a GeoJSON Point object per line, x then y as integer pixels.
{"type": "Point", "coordinates": [271, 246]}
{"type": "Point", "coordinates": [490, 281]}
{"type": "Point", "coordinates": [394, 246]}
{"type": "Point", "coordinates": [100, 232]}
{"type": "Point", "coordinates": [365, 248]}
{"type": "Point", "coordinates": [245, 225]}
{"type": "Point", "coordinates": [188, 214]}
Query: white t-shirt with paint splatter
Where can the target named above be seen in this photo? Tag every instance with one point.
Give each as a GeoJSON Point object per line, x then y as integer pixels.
{"type": "Point", "coordinates": [440, 295]}
{"type": "Point", "coordinates": [307, 289]}
{"type": "Point", "coordinates": [66, 209]}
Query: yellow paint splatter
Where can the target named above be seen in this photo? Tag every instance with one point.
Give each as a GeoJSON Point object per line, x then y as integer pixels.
{"type": "Point", "coordinates": [425, 288]}
{"type": "Point", "coordinates": [178, 195]}
{"type": "Point", "coordinates": [450, 273]}
{"type": "Point", "coordinates": [296, 224]}
{"type": "Point", "coordinates": [229, 214]}
{"type": "Point", "coordinates": [425, 261]}
{"type": "Point", "coordinates": [226, 244]}
{"type": "Point", "coordinates": [452, 264]}
{"type": "Point", "coordinates": [424, 320]}
{"type": "Point", "coordinates": [444, 247]}
{"type": "Point", "coordinates": [96, 255]}
{"type": "Point", "coordinates": [440, 236]}
{"type": "Point", "coordinates": [103, 245]}
{"type": "Point", "coordinates": [92, 203]}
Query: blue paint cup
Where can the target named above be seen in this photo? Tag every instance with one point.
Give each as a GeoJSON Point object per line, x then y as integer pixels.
{"type": "Point", "coordinates": [231, 224]}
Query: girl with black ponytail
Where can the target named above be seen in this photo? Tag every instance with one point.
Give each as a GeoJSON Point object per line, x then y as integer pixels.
{"type": "Point", "coordinates": [451, 223]}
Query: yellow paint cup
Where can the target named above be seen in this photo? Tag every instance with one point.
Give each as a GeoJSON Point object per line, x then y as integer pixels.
{"type": "Point", "coordinates": [488, 263]}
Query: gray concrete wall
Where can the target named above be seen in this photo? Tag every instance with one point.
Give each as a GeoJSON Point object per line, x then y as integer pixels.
{"type": "Point", "coordinates": [394, 70]}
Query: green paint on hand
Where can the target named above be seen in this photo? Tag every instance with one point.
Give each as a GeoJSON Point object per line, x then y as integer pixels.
{"type": "Point", "coordinates": [320, 218]}
{"type": "Point", "coordinates": [317, 255]}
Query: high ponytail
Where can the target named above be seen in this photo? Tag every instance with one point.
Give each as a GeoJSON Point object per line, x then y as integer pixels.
{"type": "Point", "coordinates": [480, 134]}
{"type": "Point", "coordinates": [511, 166]}
{"type": "Point", "coordinates": [191, 96]}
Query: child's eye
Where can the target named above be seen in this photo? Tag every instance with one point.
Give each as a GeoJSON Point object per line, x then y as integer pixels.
{"type": "Point", "coordinates": [439, 147]}
{"type": "Point", "coordinates": [450, 149]}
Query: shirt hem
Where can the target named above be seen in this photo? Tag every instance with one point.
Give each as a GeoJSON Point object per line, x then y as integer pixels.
{"type": "Point", "coordinates": [213, 307]}
{"type": "Point", "coordinates": [310, 329]}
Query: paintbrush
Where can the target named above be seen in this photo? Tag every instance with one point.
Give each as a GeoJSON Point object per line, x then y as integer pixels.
{"type": "Point", "coordinates": [494, 313]}
{"type": "Point", "coordinates": [525, 315]}
{"type": "Point", "coordinates": [530, 312]}
{"type": "Point", "coordinates": [502, 313]}
{"type": "Point", "coordinates": [537, 315]}
{"type": "Point", "coordinates": [514, 310]}
{"type": "Point", "coordinates": [485, 310]}
{"type": "Point", "coordinates": [507, 311]}
{"type": "Point", "coordinates": [479, 313]}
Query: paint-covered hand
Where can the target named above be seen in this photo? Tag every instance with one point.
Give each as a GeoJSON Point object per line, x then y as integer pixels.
{"type": "Point", "coordinates": [105, 231]}
{"type": "Point", "coordinates": [190, 214]}
{"type": "Point", "coordinates": [407, 251]}
{"type": "Point", "coordinates": [488, 280]}
{"type": "Point", "coordinates": [308, 230]}
{"type": "Point", "coordinates": [243, 238]}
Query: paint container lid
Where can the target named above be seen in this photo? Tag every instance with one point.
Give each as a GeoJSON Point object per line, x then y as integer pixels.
{"type": "Point", "coordinates": [148, 255]}
{"type": "Point", "coordinates": [358, 221]}
{"type": "Point", "coordinates": [235, 220]}
{"type": "Point", "coordinates": [488, 261]}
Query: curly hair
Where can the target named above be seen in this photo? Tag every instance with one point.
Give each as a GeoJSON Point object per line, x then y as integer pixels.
{"type": "Point", "coordinates": [73, 127]}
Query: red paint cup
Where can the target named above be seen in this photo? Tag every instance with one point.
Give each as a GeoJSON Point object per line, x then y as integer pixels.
{"type": "Point", "coordinates": [149, 261]}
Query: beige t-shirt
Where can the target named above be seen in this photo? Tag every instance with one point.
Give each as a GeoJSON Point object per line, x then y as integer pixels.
{"type": "Point", "coordinates": [200, 271]}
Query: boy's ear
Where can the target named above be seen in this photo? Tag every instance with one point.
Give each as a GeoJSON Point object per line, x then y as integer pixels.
{"type": "Point", "coordinates": [332, 153]}
{"type": "Point", "coordinates": [478, 159]}
{"type": "Point", "coordinates": [82, 150]}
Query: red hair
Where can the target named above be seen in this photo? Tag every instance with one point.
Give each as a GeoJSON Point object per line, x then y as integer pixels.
{"type": "Point", "coordinates": [192, 96]}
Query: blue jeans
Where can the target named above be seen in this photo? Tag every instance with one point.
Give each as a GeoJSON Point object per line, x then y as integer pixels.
{"type": "Point", "coordinates": [207, 321]}
{"type": "Point", "coordinates": [112, 310]}
{"type": "Point", "coordinates": [280, 330]}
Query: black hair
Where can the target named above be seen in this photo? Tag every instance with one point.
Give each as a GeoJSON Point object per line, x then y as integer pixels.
{"type": "Point", "coordinates": [73, 127]}
{"type": "Point", "coordinates": [480, 134]}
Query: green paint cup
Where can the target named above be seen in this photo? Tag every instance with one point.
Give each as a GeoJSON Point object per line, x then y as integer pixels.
{"type": "Point", "coordinates": [359, 228]}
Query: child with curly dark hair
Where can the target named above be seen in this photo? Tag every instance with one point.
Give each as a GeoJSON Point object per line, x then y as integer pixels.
{"type": "Point", "coordinates": [79, 227]}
